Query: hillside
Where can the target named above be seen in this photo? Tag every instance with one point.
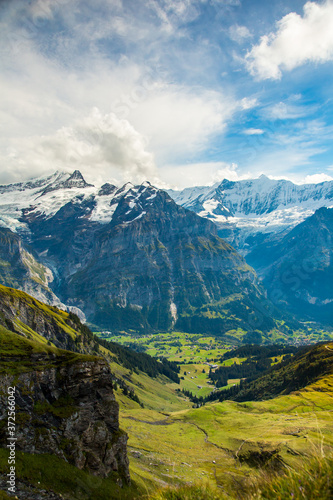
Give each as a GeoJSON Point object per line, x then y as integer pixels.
{"type": "Point", "coordinates": [297, 269]}
{"type": "Point", "coordinates": [66, 411]}
{"type": "Point", "coordinates": [54, 412]}
{"type": "Point", "coordinates": [230, 444]}
{"type": "Point", "coordinates": [305, 367]}
{"type": "Point", "coordinates": [27, 316]}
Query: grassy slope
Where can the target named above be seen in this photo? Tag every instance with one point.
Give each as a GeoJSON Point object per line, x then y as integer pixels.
{"type": "Point", "coordinates": [223, 442]}
{"type": "Point", "coordinates": [16, 354]}
{"type": "Point", "coordinates": [49, 313]}
{"type": "Point", "coordinates": [305, 367]}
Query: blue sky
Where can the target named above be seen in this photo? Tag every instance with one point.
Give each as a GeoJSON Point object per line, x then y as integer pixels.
{"type": "Point", "coordinates": [179, 92]}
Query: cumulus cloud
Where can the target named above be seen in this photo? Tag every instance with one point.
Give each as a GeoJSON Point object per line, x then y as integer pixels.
{"type": "Point", "coordinates": [101, 146]}
{"type": "Point", "coordinates": [179, 121]}
{"type": "Point", "coordinates": [297, 40]}
{"type": "Point", "coordinates": [317, 178]}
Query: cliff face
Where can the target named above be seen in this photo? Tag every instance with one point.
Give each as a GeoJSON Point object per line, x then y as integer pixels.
{"type": "Point", "coordinates": [67, 408]}
{"type": "Point", "coordinates": [20, 268]}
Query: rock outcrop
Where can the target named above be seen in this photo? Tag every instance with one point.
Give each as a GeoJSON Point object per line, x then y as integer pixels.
{"type": "Point", "coordinates": [66, 407]}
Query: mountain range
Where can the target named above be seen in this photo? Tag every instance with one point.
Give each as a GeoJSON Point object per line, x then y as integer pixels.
{"type": "Point", "coordinates": [126, 257]}
{"type": "Point", "coordinates": [249, 212]}
{"type": "Point", "coordinates": [137, 257]}
{"type": "Point", "coordinates": [284, 232]}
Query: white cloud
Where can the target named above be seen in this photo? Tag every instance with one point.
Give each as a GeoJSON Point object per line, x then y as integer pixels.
{"type": "Point", "coordinates": [297, 40]}
{"type": "Point", "coordinates": [287, 111]}
{"type": "Point", "coordinates": [317, 178]}
{"type": "Point", "coordinates": [201, 174]}
{"type": "Point", "coordinates": [253, 131]}
{"type": "Point", "coordinates": [180, 121]}
{"type": "Point", "coordinates": [248, 103]}
{"type": "Point", "coordinates": [101, 146]}
{"type": "Point", "coordinates": [239, 33]}
{"type": "Point", "coordinates": [48, 92]}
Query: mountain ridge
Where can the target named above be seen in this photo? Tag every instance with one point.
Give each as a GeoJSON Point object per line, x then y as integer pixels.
{"type": "Point", "coordinates": [130, 257]}
{"type": "Point", "coordinates": [249, 211]}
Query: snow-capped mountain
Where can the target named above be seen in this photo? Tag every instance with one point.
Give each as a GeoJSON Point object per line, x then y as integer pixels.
{"type": "Point", "coordinates": [247, 211]}
{"type": "Point", "coordinates": [44, 197]}
{"type": "Point", "coordinates": [128, 257]}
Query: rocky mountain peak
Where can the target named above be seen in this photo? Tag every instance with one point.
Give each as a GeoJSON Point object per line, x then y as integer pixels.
{"type": "Point", "coordinates": [107, 189]}
{"type": "Point", "coordinates": [75, 180]}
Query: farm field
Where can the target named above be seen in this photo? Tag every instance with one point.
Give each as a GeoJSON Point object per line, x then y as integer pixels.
{"type": "Point", "coordinates": [195, 354]}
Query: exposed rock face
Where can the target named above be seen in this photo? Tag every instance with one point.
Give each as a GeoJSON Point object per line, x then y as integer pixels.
{"type": "Point", "coordinates": [69, 410]}
{"type": "Point", "coordinates": [21, 268]}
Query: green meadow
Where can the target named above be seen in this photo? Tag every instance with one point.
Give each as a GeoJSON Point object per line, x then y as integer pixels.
{"type": "Point", "coordinates": [228, 446]}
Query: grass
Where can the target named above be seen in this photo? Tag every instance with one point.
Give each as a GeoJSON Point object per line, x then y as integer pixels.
{"type": "Point", "coordinates": [18, 353]}
{"type": "Point", "coordinates": [191, 492]}
{"type": "Point", "coordinates": [224, 443]}
{"type": "Point", "coordinates": [53, 474]}
{"type": "Point", "coordinates": [313, 481]}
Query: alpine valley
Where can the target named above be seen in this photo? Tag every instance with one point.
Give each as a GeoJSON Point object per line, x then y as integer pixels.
{"type": "Point", "coordinates": [197, 384]}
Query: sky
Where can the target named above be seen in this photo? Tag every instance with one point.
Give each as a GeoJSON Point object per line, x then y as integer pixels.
{"type": "Point", "coordinates": [177, 92]}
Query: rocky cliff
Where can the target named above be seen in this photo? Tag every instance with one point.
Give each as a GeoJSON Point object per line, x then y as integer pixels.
{"type": "Point", "coordinates": [64, 406]}
{"type": "Point", "coordinates": [19, 267]}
